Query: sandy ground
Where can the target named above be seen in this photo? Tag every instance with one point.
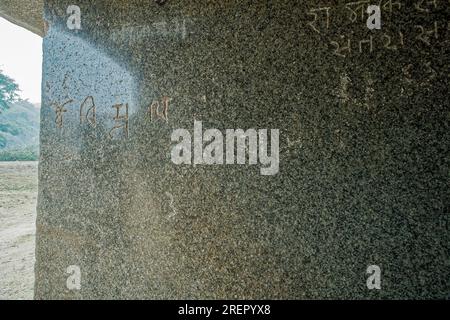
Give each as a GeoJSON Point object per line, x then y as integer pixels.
{"type": "Point", "coordinates": [18, 195]}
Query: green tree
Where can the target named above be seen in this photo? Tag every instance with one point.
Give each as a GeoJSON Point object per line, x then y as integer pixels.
{"type": "Point", "coordinates": [8, 91]}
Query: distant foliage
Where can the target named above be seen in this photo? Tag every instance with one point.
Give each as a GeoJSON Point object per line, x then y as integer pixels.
{"type": "Point", "coordinates": [8, 91]}
{"type": "Point", "coordinates": [8, 128]}
{"type": "Point", "coordinates": [28, 154]}
{"type": "Point", "coordinates": [2, 141]}
{"type": "Point", "coordinates": [19, 132]}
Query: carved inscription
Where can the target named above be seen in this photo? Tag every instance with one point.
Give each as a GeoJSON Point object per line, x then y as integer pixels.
{"type": "Point", "coordinates": [326, 19]}
{"type": "Point", "coordinates": [157, 110]}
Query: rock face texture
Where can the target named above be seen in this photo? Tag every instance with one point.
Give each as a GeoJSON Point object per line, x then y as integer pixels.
{"type": "Point", "coordinates": [364, 151]}
{"type": "Point", "coordinates": [25, 13]}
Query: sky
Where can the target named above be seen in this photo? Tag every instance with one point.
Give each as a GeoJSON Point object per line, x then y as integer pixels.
{"type": "Point", "coordinates": [21, 59]}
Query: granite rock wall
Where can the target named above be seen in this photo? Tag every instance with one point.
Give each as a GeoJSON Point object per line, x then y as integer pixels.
{"type": "Point", "coordinates": [364, 150]}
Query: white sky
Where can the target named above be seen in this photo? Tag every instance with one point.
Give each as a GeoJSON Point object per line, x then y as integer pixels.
{"type": "Point", "coordinates": [21, 59]}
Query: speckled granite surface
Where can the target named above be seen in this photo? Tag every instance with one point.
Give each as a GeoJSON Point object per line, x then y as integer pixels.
{"type": "Point", "coordinates": [25, 13]}
{"type": "Point", "coordinates": [364, 160]}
